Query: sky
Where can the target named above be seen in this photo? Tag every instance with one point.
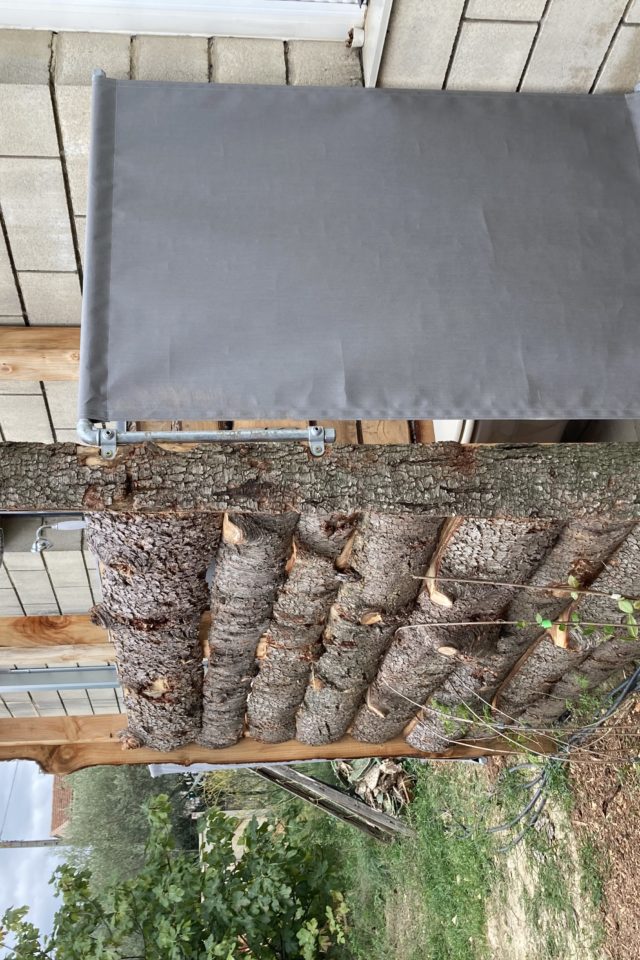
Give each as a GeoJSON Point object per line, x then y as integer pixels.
{"type": "Point", "coordinates": [25, 811]}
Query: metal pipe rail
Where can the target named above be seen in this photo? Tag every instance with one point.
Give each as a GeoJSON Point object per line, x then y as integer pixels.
{"type": "Point", "coordinates": [108, 438]}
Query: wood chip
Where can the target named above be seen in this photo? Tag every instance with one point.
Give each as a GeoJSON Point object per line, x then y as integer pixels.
{"type": "Point", "coordinates": [368, 619]}
{"type": "Point", "coordinates": [231, 533]}
{"type": "Point", "coordinates": [157, 688]}
{"type": "Point", "coordinates": [448, 651]}
{"type": "Point", "coordinates": [292, 559]}
{"type": "Point", "coordinates": [372, 708]}
{"type": "Point", "coordinates": [344, 560]}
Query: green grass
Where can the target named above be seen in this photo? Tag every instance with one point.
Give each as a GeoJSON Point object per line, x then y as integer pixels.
{"type": "Point", "coordinates": [426, 897]}
{"type": "Point", "coordinates": [429, 897]}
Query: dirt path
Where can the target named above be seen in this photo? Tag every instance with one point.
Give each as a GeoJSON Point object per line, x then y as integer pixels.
{"type": "Point", "coordinates": [606, 817]}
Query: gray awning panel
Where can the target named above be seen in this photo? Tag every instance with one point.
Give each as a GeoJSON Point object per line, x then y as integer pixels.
{"type": "Point", "coordinates": [270, 252]}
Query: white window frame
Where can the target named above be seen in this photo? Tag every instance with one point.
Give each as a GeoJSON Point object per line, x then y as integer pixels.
{"type": "Point", "coordinates": [274, 19]}
{"type": "Point", "coordinates": [330, 20]}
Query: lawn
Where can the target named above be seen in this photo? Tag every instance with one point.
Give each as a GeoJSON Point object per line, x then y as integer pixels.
{"type": "Point", "coordinates": [455, 893]}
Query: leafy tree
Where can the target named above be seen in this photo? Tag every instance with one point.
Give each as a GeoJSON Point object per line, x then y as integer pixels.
{"type": "Point", "coordinates": [274, 903]}
{"type": "Point", "coordinates": [109, 827]}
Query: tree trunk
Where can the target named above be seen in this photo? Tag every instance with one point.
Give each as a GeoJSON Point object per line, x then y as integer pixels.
{"type": "Point", "coordinates": [388, 556]}
{"type": "Point", "coordinates": [413, 670]}
{"type": "Point", "coordinates": [293, 639]}
{"type": "Point", "coordinates": [154, 592]}
{"type": "Point", "coordinates": [437, 480]}
{"type": "Point", "coordinates": [249, 570]}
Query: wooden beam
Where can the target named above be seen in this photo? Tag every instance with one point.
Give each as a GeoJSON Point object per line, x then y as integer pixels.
{"type": "Point", "coordinates": [16, 732]}
{"type": "Point", "coordinates": [39, 353]}
{"type": "Point", "coordinates": [440, 479]}
{"type": "Point", "coordinates": [32, 641]}
{"type": "Point", "coordinates": [29, 632]}
{"type": "Point", "coordinates": [67, 757]}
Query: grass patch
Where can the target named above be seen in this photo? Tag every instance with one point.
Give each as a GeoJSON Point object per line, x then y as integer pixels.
{"type": "Point", "coordinates": [433, 896]}
{"type": "Point", "coordinates": [425, 897]}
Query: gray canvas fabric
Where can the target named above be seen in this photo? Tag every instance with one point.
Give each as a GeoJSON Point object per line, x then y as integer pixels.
{"type": "Point", "coordinates": [342, 253]}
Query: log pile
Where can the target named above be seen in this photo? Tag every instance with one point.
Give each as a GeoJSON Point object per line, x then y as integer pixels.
{"type": "Point", "coordinates": [370, 623]}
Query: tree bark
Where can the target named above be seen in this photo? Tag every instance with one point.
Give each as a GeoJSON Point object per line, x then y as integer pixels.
{"type": "Point", "coordinates": [548, 663]}
{"type": "Point", "coordinates": [249, 570]}
{"type": "Point", "coordinates": [413, 669]}
{"type": "Point", "coordinates": [388, 556]}
{"type": "Point", "coordinates": [553, 480]}
{"type": "Point", "coordinates": [154, 592]}
{"type": "Point", "coordinates": [292, 642]}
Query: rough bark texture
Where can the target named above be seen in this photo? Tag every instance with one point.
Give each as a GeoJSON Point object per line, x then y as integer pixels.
{"type": "Point", "coordinates": [607, 660]}
{"type": "Point", "coordinates": [580, 551]}
{"type": "Point", "coordinates": [292, 641]}
{"type": "Point", "coordinates": [388, 556]}
{"type": "Point", "coordinates": [154, 592]}
{"type": "Point", "coordinates": [548, 663]}
{"type": "Point", "coordinates": [160, 669]}
{"type": "Point", "coordinates": [248, 574]}
{"type": "Point", "coordinates": [554, 480]}
{"type": "Point", "coordinates": [475, 550]}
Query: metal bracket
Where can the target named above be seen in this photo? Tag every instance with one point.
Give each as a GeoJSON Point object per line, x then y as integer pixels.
{"type": "Point", "coordinates": [317, 437]}
{"type": "Point", "coordinates": [108, 443]}
{"type": "Point", "coordinates": [108, 438]}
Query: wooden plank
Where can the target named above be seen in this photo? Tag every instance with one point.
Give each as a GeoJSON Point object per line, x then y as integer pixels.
{"type": "Point", "coordinates": [68, 757]}
{"type": "Point", "coordinates": [28, 633]}
{"type": "Point", "coordinates": [32, 641]}
{"type": "Point", "coordinates": [39, 353]}
{"type": "Point", "coordinates": [346, 430]}
{"type": "Point", "coordinates": [385, 431]}
{"type": "Point", "coordinates": [269, 424]}
{"type": "Point", "coordinates": [66, 653]}
{"type": "Point", "coordinates": [61, 729]}
{"type": "Point", "coordinates": [425, 432]}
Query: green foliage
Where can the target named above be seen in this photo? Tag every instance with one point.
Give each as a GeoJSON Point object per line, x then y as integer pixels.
{"type": "Point", "coordinates": [275, 902]}
{"type": "Point", "coordinates": [109, 827]}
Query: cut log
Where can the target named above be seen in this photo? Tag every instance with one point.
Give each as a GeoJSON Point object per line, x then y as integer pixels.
{"type": "Point", "coordinates": [153, 568]}
{"type": "Point", "coordinates": [440, 479]}
{"type": "Point", "coordinates": [500, 550]}
{"type": "Point", "coordinates": [383, 569]}
{"type": "Point", "coordinates": [580, 551]}
{"type": "Point", "coordinates": [154, 592]}
{"type": "Point", "coordinates": [548, 663]}
{"type": "Point", "coordinates": [292, 641]}
{"type": "Point", "coordinates": [249, 570]}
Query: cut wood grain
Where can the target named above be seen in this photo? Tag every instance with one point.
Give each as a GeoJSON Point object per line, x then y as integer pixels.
{"type": "Point", "coordinates": [63, 729]}
{"type": "Point", "coordinates": [39, 353]}
{"type": "Point", "coordinates": [30, 632]}
{"type": "Point", "coordinates": [385, 431]}
{"type": "Point", "coordinates": [32, 641]}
